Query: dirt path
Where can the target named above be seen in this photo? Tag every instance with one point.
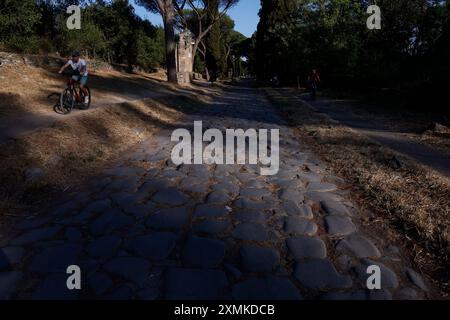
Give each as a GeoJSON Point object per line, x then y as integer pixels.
{"type": "Point", "coordinates": [147, 229]}
{"type": "Point", "coordinates": [398, 141]}
{"type": "Point", "coordinates": [105, 91]}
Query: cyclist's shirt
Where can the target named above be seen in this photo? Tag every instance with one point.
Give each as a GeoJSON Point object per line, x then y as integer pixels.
{"type": "Point", "coordinates": [315, 78]}
{"type": "Point", "coordinates": [77, 66]}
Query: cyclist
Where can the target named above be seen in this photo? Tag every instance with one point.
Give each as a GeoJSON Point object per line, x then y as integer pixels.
{"type": "Point", "coordinates": [314, 80]}
{"type": "Point", "coordinates": [80, 72]}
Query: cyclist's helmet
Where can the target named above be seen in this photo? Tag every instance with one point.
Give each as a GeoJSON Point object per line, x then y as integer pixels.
{"type": "Point", "coordinates": [75, 54]}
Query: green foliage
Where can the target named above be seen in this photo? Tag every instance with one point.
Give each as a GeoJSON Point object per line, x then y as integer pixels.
{"type": "Point", "coordinates": [213, 50]}
{"type": "Point", "coordinates": [110, 31]}
{"type": "Point", "coordinates": [149, 51]}
{"type": "Point", "coordinates": [18, 19]}
{"type": "Point", "coordinates": [295, 36]}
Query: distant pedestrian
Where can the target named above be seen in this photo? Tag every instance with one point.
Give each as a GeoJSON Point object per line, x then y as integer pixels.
{"type": "Point", "coordinates": [313, 81]}
{"type": "Point", "coordinates": [275, 81]}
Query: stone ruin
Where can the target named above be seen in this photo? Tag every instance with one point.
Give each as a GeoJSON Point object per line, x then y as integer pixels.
{"type": "Point", "coordinates": [184, 53]}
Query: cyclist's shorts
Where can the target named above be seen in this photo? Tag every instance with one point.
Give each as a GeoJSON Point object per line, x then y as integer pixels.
{"type": "Point", "coordinates": [82, 79]}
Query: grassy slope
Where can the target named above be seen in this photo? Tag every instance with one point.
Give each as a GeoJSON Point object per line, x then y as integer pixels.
{"type": "Point", "coordinates": [81, 144]}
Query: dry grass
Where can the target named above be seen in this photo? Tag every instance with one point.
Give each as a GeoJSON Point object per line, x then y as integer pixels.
{"type": "Point", "coordinates": [78, 147]}
{"type": "Point", "coordinates": [80, 144]}
{"type": "Point", "coordinates": [412, 199]}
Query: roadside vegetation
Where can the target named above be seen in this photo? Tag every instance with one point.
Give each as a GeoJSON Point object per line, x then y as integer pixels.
{"type": "Point", "coordinates": [407, 59]}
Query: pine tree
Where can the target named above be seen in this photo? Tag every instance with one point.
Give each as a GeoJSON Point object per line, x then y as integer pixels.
{"type": "Point", "coordinates": [273, 36]}
{"type": "Point", "coordinates": [213, 50]}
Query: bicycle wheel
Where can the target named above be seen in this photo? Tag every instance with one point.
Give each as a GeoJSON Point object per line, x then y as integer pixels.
{"type": "Point", "coordinates": [66, 101]}
{"type": "Point", "coordinates": [83, 105]}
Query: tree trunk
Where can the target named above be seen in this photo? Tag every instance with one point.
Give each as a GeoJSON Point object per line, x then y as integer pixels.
{"type": "Point", "coordinates": [169, 34]}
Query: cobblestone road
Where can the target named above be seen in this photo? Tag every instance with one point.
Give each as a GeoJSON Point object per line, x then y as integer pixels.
{"type": "Point", "coordinates": [147, 229]}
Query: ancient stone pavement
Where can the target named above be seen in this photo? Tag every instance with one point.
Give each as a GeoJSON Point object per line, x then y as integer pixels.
{"type": "Point", "coordinates": [147, 229]}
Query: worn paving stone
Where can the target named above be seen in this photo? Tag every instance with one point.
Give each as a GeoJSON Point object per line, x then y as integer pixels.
{"type": "Point", "coordinates": [152, 185]}
{"type": "Point", "coordinates": [250, 232]}
{"type": "Point", "coordinates": [307, 247]}
{"type": "Point", "coordinates": [249, 204]}
{"type": "Point", "coordinates": [360, 246]}
{"type": "Point", "coordinates": [9, 283]}
{"type": "Point", "coordinates": [73, 234]}
{"type": "Point", "coordinates": [251, 216]}
{"type": "Point", "coordinates": [192, 284]}
{"type": "Point", "coordinates": [35, 235]}
{"type": "Point", "coordinates": [227, 187]}
{"type": "Point", "coordinates": [416, 279]}
{"type": "Point", "coordinates": [196, 188]}
{"type": "Point", "coordinates": [287, 183]}
{"type": "Point", "coordinates": [254, 193]}
{"type": "Point", "coordinates": [310, 177]}
{"type": "Point", "coordinates": [79, 219]}
{"type": "Point", "coordinates": [172, 219]}
{"type": "Point", "coordinates": [291, 195]}
{"type": "Point", "coordinates": [298, 225]}
{"type": "Point", "coordinates": [200, 171]}
{"type": "Point", "coordinates": [99, 283]}
{"type": "Point", "coordinates": [55, 259]}
{"type": "Point", "coordinates": [156, 246]}
{"type": "Point", "coordinates": [170, 197]}
{"type": "Point", "coordinates": [172, 174]}
{"type": "Point", "coordinates": [334, 208]}
{"type": "Point", "coordinates": [110, 221]}
{"type": "Point", "coordinates": [245, 176]}
{"type": "Point", "coordinates": [121, 293]}
{"type": "Point", "coordinates": [233, 271]}
{"type": "Point", "coordinates": [321, 187]}
{"type": "Point", "coordinates": [33, 223]}
{"type": "Point", "coordinates": [339, 226]}
{"type": "Point", "coordinates": [211, 226]}
{"type": "Point", "coordinates": [66, 208]}
{"type": "Point", "coordinates": [104, 247]}
{"type": "Point", "coordinates": [270, 288]}
{"type": "Point", "coordinates": [211, 211]}
{"type": "Point", "coordinates": [320, 274]}
{"type": "Point", "coordinates": [203, 252]}
{"type": "Point", "coordinates": [130, 268]}
{"type": "Point", "coordinates": [10, 256]}
{"type": "Point", "coordinates": [258, 259]}
{"type": "Point", "coordinates": [189, 181]}
{"type": "Point", "coordinates": [254, 183]}
{"type": "Point", "coordinates": [98, 206]}
{"type": "Point", "coordinates": [219, 197]}
{"type": "Point", "coordinates": [122, 198]}
{"type": "Point", "coordinates": [54, 287]}
{"type": "Point", "coordinates": [139, 211]}
{"type": "Point", "coordinates": [388, 277]}
{"type": "Point", "coordinates": [294, 209]}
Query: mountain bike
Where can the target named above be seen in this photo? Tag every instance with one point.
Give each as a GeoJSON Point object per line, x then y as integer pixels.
{"type": "Point", "coordinates": [72, 96]}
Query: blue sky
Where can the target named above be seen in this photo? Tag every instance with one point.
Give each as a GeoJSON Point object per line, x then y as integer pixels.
{"type": "Point", "coordinates": [244, 14]}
